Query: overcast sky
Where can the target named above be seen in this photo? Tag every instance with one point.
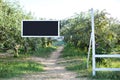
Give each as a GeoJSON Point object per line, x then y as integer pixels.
{"type": "Point", "coordinates": [60, 9]}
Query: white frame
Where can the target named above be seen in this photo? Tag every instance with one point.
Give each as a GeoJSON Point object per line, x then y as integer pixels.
{"type": "Point", "coordinates": [94, 69]}
{"type": "Point", "coordinates": [40, 36]}
{"type": "Point", "coordinates": [105, 69]}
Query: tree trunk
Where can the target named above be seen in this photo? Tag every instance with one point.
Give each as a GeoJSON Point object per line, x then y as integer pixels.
{"type": "Point", "coordinates": [16, 50]}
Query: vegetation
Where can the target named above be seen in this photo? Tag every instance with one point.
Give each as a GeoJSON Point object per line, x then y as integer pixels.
{"type": "Point", "coordinates": [76, 60]}
{"type": "Point", "coordinates": [15, 67]}
{"type": "Point", "coordinates": [76, 31]}
{"type": "Point", "coordinates": [11, 42]}
{"type": "Point", "coordinates": [43, 52]}
{"type": "Point", "coordinates": [10, 67]}
{"type": "Point", "coordinates": [11, 16]}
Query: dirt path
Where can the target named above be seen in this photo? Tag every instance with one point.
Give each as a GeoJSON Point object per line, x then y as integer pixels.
{"type": "Point", "coordinates": [53, 71]}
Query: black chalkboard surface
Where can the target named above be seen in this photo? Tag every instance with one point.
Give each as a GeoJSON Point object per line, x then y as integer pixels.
{"type": "Point", "coordinates": [40, 28]}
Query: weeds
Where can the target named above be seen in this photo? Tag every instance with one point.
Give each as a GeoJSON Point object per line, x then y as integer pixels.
{"type": "Point", "coordinates": [43, 52]}
{"type": "Point", "coordinates": [16, 68]}
{"type": "Point", "coordinates": [11, 67]}
{"type": "Point", "coordinates": [81, 69]}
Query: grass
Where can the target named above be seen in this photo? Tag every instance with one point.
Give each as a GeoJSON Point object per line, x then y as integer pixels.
{"type": "Point", "coordinates": [70, 52]}
{"type": "Point", "coordinates": [11, 68]}
{"type": "Point", "coordinates": [43, 52]}
{"type": "Point", "coordinates": [79, 66]}
{"type": "Point", "coordinates": [15, 67]}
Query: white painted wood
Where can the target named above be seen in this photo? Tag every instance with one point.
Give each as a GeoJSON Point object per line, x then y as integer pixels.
{"type": "Point", "coordinates": [93, 41]}
{"type": "Point", "coordinates": [107, 69]}
{"type": "Point", "coordinates": [89, 50]}
{"type": "Point", "coordinates": [109, 55]}
{"type": "Point", "coordinates": [94, 69]}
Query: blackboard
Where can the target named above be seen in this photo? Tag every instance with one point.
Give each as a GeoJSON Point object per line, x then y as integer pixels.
{"type": "Point", "coordinates": [40, 28]}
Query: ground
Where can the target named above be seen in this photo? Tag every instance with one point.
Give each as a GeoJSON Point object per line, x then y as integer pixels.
{"type": "Point", "coordinates": [53, 70]}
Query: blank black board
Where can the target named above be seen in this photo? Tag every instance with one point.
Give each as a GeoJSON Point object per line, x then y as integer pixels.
{"type": "Point", "coordinates": [40, 28]}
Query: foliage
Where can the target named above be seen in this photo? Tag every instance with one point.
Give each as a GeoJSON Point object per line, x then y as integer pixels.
{"type": "Point", "coordinates": [79, 65]}
{"type": "Point", "coordinates": [75, 52]}
{"type": "Point", "coordinates": [76, 31]}
{"type": "Point", "coordinates": [11, 15]}
{"type": "Point", "coordinates": [16, 68]}
{"type": "Point", "coordinates": [43, 52]}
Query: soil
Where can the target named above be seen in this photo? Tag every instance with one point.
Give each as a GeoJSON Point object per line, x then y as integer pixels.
{"type": "Point", "coordinates": [53, 70]}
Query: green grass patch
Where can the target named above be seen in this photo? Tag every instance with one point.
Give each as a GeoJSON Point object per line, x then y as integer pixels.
{"type": "Point", "coordinates": [109, 63]}
{"type": "Point", "coordinates": [71, 53]}
{"type": "Point", "coordinates": [43, 52]}
{"type": "Point", "coordinates": [12, 67]}
{"type": "Point", "coordinates": [16, 68]}
{"type": "Point", "coordinates": [109, 75]}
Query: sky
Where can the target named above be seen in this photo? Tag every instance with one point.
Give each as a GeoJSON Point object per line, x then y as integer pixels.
{"type": "Point", "coordinates": [61, 9]}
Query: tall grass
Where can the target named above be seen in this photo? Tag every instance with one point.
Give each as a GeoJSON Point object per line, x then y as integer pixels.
{"type": "Point", "coordinates": [70, 52]}
{"type": "Point", "coordinates": [16, 68]}
{"type": "Point", "coordinates": [79, 66]}
{"type": "Point", "coordinates": [43, 52]}
{"type": "Point", "coordinates": [11, 67]}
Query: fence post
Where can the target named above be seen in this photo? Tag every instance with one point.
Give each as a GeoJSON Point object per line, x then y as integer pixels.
{"type": "Point", "coordinates": [89, 50]}
{"type": "Point", "coordinates": [93, 42]}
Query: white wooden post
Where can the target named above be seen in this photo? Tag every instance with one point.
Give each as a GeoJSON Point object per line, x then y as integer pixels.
{"type": "Point", "coordinates": [89, 50]}
{"type": "Point", "coordinates": [94, 56]}
{"type": "Point", "coordinates": [93, 42]}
